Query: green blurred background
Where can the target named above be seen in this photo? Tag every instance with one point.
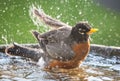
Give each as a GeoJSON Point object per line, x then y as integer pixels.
{"type": "Point", "coordinates": [15, 22]}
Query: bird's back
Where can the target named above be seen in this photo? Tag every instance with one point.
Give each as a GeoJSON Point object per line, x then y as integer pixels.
{"type": "Point", "coordinates": [57, 46]}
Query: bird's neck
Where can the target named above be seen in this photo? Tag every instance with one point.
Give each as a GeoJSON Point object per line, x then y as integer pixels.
{"type": "Point", "coordinates": [78, 39]}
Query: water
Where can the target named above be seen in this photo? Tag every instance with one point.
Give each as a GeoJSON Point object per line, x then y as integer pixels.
{"type": "Point", "coordinates": [94, 68]}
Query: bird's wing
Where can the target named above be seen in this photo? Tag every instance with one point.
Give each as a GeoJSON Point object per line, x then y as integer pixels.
{"type": "Point", "coordinates": [56, 46]}
{"type": "Point", "coordinates": [57, 34]}
{"type": "Point", "coordinates": [60, 51]}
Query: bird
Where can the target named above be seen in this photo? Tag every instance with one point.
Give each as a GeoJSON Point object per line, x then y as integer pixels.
{"type": "Point", "coordinates": [64, 46]}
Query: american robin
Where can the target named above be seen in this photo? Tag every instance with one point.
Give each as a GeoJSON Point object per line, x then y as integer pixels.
{"type": "Point", "coordinates": [64, 47]}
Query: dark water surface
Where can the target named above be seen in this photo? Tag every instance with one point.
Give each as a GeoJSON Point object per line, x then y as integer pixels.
{"type": "Point", "coordinates": [95, 68]}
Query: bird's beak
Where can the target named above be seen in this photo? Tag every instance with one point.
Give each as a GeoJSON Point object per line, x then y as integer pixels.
{"type": "Point", "coordinates": [92, 30]}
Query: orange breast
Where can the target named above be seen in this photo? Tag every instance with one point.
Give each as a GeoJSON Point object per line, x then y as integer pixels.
{"type": "Point", "coordinates": [81, 51]}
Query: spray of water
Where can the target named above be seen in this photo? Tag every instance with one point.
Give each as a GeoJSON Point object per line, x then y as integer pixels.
{"type": "Point", "coordinates": [36, 20]}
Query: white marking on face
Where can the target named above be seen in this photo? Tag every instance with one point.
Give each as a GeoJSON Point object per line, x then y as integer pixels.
{"type": "Point", "coordinates": [82, 33]}
{"type": "Point", "coordinates": [83, 30]}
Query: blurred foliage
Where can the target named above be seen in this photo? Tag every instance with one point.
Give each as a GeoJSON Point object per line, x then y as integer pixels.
{"type": "Point", "coordinates": [15, 22]}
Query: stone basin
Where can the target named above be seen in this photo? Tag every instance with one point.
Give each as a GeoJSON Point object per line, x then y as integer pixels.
{"type": "Point", "coordinates": [102, 64]}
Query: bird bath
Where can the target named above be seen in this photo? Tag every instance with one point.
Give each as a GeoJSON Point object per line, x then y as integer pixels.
{"type": "Point", "coordinates": [100, 65]}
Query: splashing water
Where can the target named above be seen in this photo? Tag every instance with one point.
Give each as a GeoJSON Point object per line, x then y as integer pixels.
{"type": "Point", "coordinates": [36, 20]}
{"type": "Point", "coordinates": [5, 39]}
{"type": "Point", "coordinates": [94, 68]}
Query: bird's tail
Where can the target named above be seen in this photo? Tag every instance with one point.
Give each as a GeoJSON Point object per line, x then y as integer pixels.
{"type": "Point", "coordinates": [23, 51]}
{"type": "Point", "coordinates": [44, 18]}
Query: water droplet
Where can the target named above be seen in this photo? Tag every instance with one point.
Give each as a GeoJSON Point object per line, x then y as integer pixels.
{"type": "Point", "coordinates": [58, 8]}
{"type": "Point", "coordinates": [58, 16]}
{"type": "Point", "coordinates": [101, 23]}
{"type": "Point", "coordinates": [11, 15]}
{"type": "Point", "coordinates": [3, 11]}
{"type": "Point", "coordinates": [5, 38]}
{"type": "Point", "coordinates": [23, 8]}
{"type": "Point", "coordinates": [109, 36]}
{"type": "Point", "coordinates": [80, 12]}
{"type": "Point", "coordinates": [4, 3]}
{"type": "Point", "coordinates": [110, 30]}
{"type": "Point", "coordinates": [51, 8]}
{"type": "Point", "coordinates": [6, 8]}
{"type": "Point", "coordinates": [76, 6]}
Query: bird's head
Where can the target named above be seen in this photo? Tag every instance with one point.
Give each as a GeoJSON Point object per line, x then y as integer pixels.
{"type": "Point", "coordinates": [82, 30]}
